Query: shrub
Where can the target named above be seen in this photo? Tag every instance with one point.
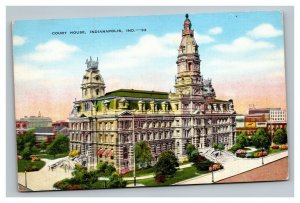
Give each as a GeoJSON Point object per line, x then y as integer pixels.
{"type": "Point", "coordinates": [241, 155]}
{"type": "Point", "coordinates": [160, 178]}
{"type": "Point", "coordinates": [249, 156]}
{"type": "Point", "coordinates": [74, 153]}
{"type": "Point", "coordinates": [73, 187]}
{"type": "Point", "coordinates": [116, 181]}
{"type": "Point", "coordinates": [275, 147]}
{"type": "Point", "coordinates": [284, 147]}
{"type": "Point", "coordinates": [218, 146]}
{"type": "Point", "coordinates": [241, 151]}
{"type": "Point", "coordinates": [261, 154]}
{"type": "Point", "coordinates": [235, 147]}
{"type": "Point", "coordinates": [203, 165]}
{"type": "Point", "coordinates": [215, 167]}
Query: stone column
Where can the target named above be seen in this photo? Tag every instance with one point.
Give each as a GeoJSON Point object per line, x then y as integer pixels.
{"type": "Point", "coordinates": [141, 105]}
{"type": "Point", "coordinates": [152, 106]}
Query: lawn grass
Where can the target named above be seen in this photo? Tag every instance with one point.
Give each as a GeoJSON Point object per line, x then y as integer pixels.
{"type": "Point", "coordinates": [48, 156]}
{"type": "Point", "coordinates": [181, 175]}
{"type": "Point", "coordinates": [184, 162]}
{"type": "Point", "coordinates": [27, 165]}
{"type": "Point", "coordinates": [269, 151]}
{"type": "Point", "coordinates": [98, 185]}
{"type": "Point", "coordinates": [246, 148]}
{"type": "Point", "coordinates": [140, 172]}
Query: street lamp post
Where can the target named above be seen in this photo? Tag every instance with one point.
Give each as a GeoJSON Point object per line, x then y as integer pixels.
{"type": "Point", "coordinates": [212, 174]}
{"type": "Point", "coordinates": [262, 156]}
{"type": "Point", "coordinates": [26, 179]}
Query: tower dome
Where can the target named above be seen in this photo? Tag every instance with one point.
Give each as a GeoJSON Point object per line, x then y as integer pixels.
{"type": "Point", "coordinates": [187, 26]}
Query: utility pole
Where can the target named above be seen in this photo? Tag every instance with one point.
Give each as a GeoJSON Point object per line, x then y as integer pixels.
{"type": "Point", "coordinates": [26, 179]}
{"type": "Point", "coordinates": [133, 134]}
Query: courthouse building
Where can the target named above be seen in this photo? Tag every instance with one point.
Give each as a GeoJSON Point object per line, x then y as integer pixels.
{"type": "Point", "coordinates": [104, 126]}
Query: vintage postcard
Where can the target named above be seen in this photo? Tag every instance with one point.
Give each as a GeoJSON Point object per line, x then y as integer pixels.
{"type": "Point", "coordinates": [164, 100]}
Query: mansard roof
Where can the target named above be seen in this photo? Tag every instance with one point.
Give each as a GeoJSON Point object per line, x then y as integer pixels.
{"type": "Point", "coordinates": [138, 94]}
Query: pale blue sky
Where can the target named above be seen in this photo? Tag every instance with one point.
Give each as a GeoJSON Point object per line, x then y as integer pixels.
{"type": "Point", "coordinates": [233, 47]}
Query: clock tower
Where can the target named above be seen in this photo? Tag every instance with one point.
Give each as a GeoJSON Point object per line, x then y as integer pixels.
{"type": "Point", "coordinates": [188, 80]}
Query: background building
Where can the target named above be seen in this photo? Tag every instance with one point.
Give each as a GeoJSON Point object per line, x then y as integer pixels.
{"type": "Point", "coordinates": [270, 119]}
{"type": "Point", "coordinates": [44, 134]}
{"type": "Point", "coordinates": [21, 127]}
{"type": "Point", "coordinates": [37, 121]}
{"type": "Point", "coordinates": [43, 128]}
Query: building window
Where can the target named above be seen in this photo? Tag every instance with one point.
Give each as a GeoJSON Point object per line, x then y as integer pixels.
{"type": "Point", "coordinates": [189, 66]}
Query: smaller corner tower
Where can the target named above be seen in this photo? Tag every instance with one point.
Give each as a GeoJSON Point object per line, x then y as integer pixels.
{"type": "Point", "coordinates": [93, 85]}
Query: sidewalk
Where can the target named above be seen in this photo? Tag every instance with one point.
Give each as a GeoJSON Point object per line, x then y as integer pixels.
{"type": "Point", "coordinates": [234, 167]}
{"type": "Point", "coordinates": [44, 178]}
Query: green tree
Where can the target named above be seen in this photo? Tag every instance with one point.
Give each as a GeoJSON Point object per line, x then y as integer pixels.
{"type": "Point", "coordinates": [43, 145]}
{"type": "Point", "coordinates": [215, 146]}
{"type": "Point", "coordinates": [261, 139]}
{"type": "Point", "coordinates": [28, 138]}
{"type": "Point", "coordinates": [194, 155]}
{"type": "Point", "coordinates": [166, 164]}
{"type": "Point", "coordinates": [116, 181]}
{"type": "Point", "coordinates": [189, 150]}
{"type": "Point", "coordinates": [143, 154]}
{"type": "Point", "coordinates": [280, 136]}
{"type": "Point", "coordinates": [26, 153]}
{"type": "Point", "coordinates": [242, 140]}
{"type": "Point", "coordinates": [59, 145]}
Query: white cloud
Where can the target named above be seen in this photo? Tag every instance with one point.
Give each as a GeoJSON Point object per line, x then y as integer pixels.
{"type": "Point", "coordinates": [18, 40]}
{"type": "Point", "coordinates": [54, 50]}
{"type": "Point", "coordinates": [264, 31]}
{"type": "Point", "coordinates": [149, 48]}
{"type": "Point", "coordinates": [203, 39]}
{"type": "Point", "coordinates": [243, 44]}
{"type": "Point", "coordinates": [215, 31]}
{"type": "Point", "coordinates": [256, 65]}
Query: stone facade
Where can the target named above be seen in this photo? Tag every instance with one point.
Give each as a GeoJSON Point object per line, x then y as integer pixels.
{"type": "Point", "coordinates": [105, 126]}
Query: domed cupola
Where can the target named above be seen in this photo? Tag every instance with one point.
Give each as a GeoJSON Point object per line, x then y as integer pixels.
{"type": "Point", "coordinates": [187, 26]}
{"type": "Point", "coordinates": [93, 85]}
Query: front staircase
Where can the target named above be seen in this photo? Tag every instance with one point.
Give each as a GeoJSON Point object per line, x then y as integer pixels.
{"type": "Point", "coordinates": [217, 155]}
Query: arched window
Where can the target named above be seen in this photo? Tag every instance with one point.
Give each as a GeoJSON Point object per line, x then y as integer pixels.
{"type": "Point", "coordinates": [189, 66]}
{"type": "Point", "coordinates": [97, 91]}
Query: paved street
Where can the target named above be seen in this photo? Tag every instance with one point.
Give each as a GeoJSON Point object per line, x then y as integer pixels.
{"type": "Point", "coordinates": [276, 170]}
{"type": "Point", "coordinates": [233, 167]}
{"type": "Point", "coordinates": [44, 178]}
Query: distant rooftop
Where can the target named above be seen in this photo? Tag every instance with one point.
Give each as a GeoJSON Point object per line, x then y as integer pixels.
{"type": "Point", "coordinates": [43, 130]}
